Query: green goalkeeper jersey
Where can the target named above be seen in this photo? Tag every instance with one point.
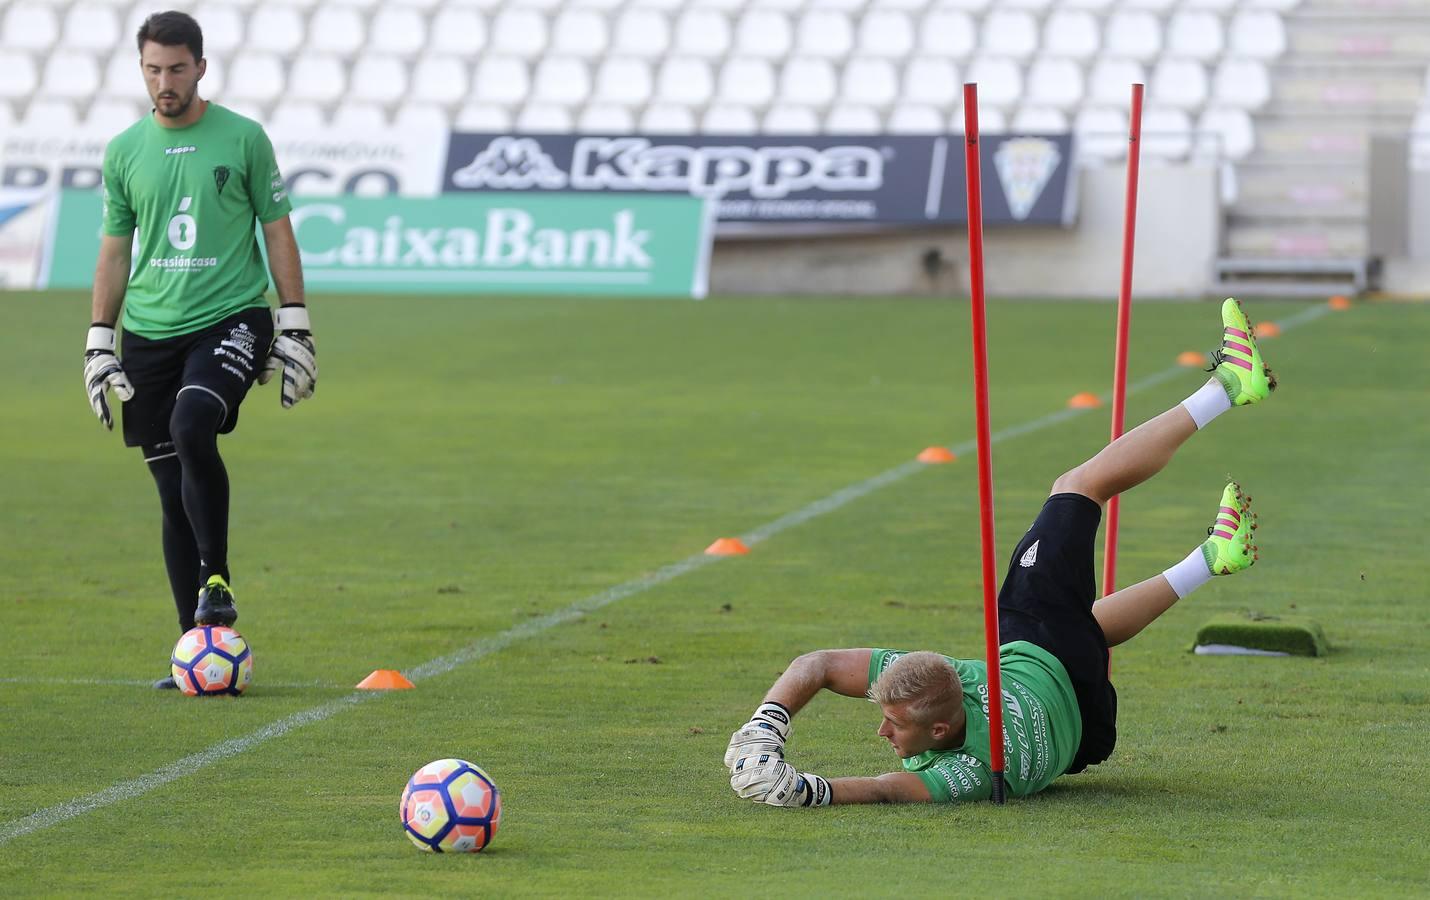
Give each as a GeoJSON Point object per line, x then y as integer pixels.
{"type": "Point", "coordinates": [1041, 725]}
{"type": "Point", "coordinates": [193, 193]}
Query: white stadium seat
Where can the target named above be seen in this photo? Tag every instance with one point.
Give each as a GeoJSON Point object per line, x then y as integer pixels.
{"type": "Point", "coordinates": [123, 78]}
{"type": "Point", "coordinates": [397, 31]}
{"type": "Point", "coordinates": [22, 77]}
{"type": "Point", "coordinates": [70, 75]}
{"type": "Point", "coordinates": [1097, 6]}
{"type": "Point", "coordinates": [482, 117]}
{"type": "Point", "coordinates": [547, 6]}
{"type": "Point", "coordinates": [871, 82]}
{"type": "Point", "coordinates": [702, 32]}
{"type": "Point", "coordinates": [296, 115]}
{"type": "Point", "coordinates": [852, 119]}
{"type": "Point", "coordinates": [1178, 84]}
{"type": "Point", "coordinates": [420, 118]}
{"type": "Point", "coordinates": [500, 80]}
{"type": "Point", "coordinates": [665, 118]}
{"type": "Point", "coordinates": [1071, 33]}
{"type": "Point", "coordinates": [947, 32]}
{"type": "Point", "coordinates": [256, 78]}
{"type": "Point", "coordinates": [378, 79]}
{"type": "Point", "coordinates": [1055, 83]}
{"type": "Point", "coordinates": [112, 115]}
{"type": "Point", "coordinates": [1194, 35]}
{"type": "Point", "coordinates": [561, 80]}
{"type": "Point", "coordinates": [913, 118]}
{"type": "Point", "coordinates": [606, 118]}
{"type": "Point", "coordinates": [27, 27]}
{"type": "Point", "coordinates": [790, 120]}
{"type": "Point", "coordinates": [223, 25]}
{"type": "Point", "coordinates": [458, 31]}
{"type": "Point", "coordinates": [1166, 133]}
{"type": "Point", "coordinates": [642, 33]}
{"type": "Point", "coordinates": [728, 119]}
{"type": "Point", "coordinates": [623, 80]}
{"type": "Point", "coordinates": [969, 5]}
{"type": "Point", "coordinates": [320, 79]}
{"type": "Point", "coordinates": [1011, 33]}
{"type": "Point", "coordinates": [440, 79]}
{"type": "Point", "coordinates": [579, 32]}
{"type": "Point", "coordinates": [931, 81]}
{"type": "Point", "coordinates": [1000, 82]}
{"type": "Point", "coordinates": [1241, 83]}
{"type": "Point", "coordinates": [1038, 120]}
{"type": "Point", "coordinates": [247, 109]}
{"type": "Point", "coordinates": [518, 32]}
{"type": "Point", "coordinates": [1110, 81]}
{"type": "Point", "coordinates": [1132, 35]}
{"type": "Point", "coordinates": [824, 32]}
{"type": "Point", "coordinates": [357, 116]}
{"type": "Point", "coordinates": [212, 85]}
{"type": "Point", "coordinates": [279, 29]}
{"type": "Point", "coordinates": [886, 33]}
{"type": "Point", "coordinates": [1257, 34]}
{"type": "Point", "coordinates": [50, 115]}
{"type": "Point", "coordinates": [1231, 129]}
{"type": "Point", "coordinates": [746, 82]}
{"type": "Point", "coordinates": [909, 6]}
{"type": "Point", "coordinates": [991, 120]}
{"type": "Point", "coordinates": [544, 119]}
{"type": "Point", "coordinates": [1220, 6]}
{"type": "Point", "coordinates": [492, 5]}
{"type": "Point", "coordinates": [89, 26]}
{"type": "Point", "coordinates": [1160, 7]}
{"type": "Point", "coordinates": [808, 82]}
{"type": "Point", "coordinates": [1101, 133]}
{"type": "Point", "coordinates": [763, 33]}
{"type": "Point", "coordinates": [685, 81]}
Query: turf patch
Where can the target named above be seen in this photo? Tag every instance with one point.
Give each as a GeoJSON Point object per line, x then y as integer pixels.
{"type": "Point", "coordinates": [1254, 631]}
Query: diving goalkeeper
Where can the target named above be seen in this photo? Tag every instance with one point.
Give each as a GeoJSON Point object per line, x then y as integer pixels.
{"type": "Point", "coordinates": [1060, 709]}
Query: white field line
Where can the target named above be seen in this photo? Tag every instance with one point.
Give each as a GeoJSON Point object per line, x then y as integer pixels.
{"type": "Point", "coordinates": [135, 787]}
{"type": "Point", "coordinates": [139, 682]}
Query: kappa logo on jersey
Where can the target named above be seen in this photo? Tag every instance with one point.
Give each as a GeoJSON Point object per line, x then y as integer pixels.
{"type": "Point", "coordinates": [513, 164]}
{"type": "Point", "coordinates": [220, 178]}
{"type": "Point", "coordinates": [1025, 166]}
{"type": "Point", "coordinates": [175, 151]}
{"type": "Point", "coordinates": [1029, 557]}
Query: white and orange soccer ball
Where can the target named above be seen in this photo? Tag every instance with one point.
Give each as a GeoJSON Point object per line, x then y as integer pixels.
{"type": "Point", "coordinates": [212, 659]}
{"type": "Point", "coordinates": [450, 806]}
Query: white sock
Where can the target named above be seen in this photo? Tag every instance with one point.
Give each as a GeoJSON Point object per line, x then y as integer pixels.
{"type": "Point", "coordinates": [1209, 401]}
{"type": "Point", "coordinates": [1189, 574]}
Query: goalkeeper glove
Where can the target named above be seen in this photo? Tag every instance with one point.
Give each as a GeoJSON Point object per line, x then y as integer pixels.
{"type": "Point", "coordinates": [766, 732]}
{"type": "Point", "coordinates": [768, 779]}
{"type": "Point", "coordinates": [102, 371]}
{"type": "Point", "coordinates": [292, 353]}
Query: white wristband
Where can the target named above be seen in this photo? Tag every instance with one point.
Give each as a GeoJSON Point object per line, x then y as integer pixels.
{"type": "Point", "coordinates": [292, 318]}
{"type": "Point", "coordinates": [100, 337]}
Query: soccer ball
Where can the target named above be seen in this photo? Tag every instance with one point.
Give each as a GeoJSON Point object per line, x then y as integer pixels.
{"type": "Point", "coordinates": [212, 659]}
{"type": "Point", "coordinates": [450, 805]}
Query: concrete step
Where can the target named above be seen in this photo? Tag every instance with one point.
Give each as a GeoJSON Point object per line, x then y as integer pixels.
{"type": "Point", "coordinates": [1360, 9]}
{"type": "Point", "coordinates": [1295, 239]}
{"type": "Point", "coordinates": [1242, 276]}
{"type": "Point", "coordinates": [1360, 41]}
{"type": "Point", "coordinates": [1280, 139]}
{"type": "Point", "coordinates": [1370, 92]}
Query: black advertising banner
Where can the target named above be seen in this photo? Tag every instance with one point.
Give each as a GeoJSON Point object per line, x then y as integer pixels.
{"type": "Point", "coordinates": [791, 179]}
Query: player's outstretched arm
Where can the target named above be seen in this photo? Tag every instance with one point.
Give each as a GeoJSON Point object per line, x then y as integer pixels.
{"type": "Point", "coordinates": [767, 779]}
{"type": "Point", "coordinates": [841, 671]}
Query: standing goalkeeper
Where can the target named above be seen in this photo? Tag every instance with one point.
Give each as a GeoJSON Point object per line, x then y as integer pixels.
{"type": "Point", "coordinates": [192, 177]}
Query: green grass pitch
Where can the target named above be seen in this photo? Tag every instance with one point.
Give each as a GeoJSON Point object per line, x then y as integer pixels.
{"type": "Point", "coordinates": [468, 466]}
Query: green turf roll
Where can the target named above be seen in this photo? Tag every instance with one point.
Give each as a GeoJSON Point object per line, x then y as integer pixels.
{"type": "Point", "coordinates": [1256, 631]}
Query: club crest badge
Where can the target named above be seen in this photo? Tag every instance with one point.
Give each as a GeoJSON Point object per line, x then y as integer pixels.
{"type": "Point", "coordinates": [220, 177]}
{"type": "Point", "coordinates": [1025, 165]}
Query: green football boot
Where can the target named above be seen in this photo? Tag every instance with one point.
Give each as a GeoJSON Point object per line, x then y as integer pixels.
{"type": "Point", "coordinates": [1229, 549]}
{"type": "Point", "coordinates": [1237, 364]}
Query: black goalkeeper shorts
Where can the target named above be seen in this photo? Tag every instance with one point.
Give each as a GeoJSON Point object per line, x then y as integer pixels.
{"type": "Point", "coordinates": [1047, 598]}
{"type": "Point", "coordinates": [222, 361]}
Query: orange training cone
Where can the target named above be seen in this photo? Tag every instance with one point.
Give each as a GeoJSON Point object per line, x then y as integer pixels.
{"type": "Point", "coordinates": [1340, 301]}
{"type": "Point", "coordinates": [727, 547]}
{"type": "Point", "coordinates": [937, 455]}
{"type": "Point", "coordinates": [1191, 359]}
{"type": "Point", "coordinates": [385, 680]}
{"type": "Point", "coordinates": [1266, 329]}
{"type": "Point", "coordinates": [1084, 400]}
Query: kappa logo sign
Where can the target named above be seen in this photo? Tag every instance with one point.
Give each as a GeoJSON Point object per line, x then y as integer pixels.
{"type": "Point", "coordinates": [1025, 166]}
{"type": "Point", "coordinates": [638, 164]}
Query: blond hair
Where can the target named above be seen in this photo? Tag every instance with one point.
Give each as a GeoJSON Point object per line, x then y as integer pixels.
{"type": "Point", "coordinates": [925, 682]}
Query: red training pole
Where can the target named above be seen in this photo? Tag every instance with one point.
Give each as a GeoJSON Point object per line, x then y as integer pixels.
{"type": "Point", "coordinates": [985, 457]}
{"type": "Point", "coordinates": [1124, 325]}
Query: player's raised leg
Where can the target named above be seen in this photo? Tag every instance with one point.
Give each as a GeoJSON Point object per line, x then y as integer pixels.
{"type": "Point", "coordinates": [1239, 377]}
{"type": "Point", "coordinates": [1228, 549]}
